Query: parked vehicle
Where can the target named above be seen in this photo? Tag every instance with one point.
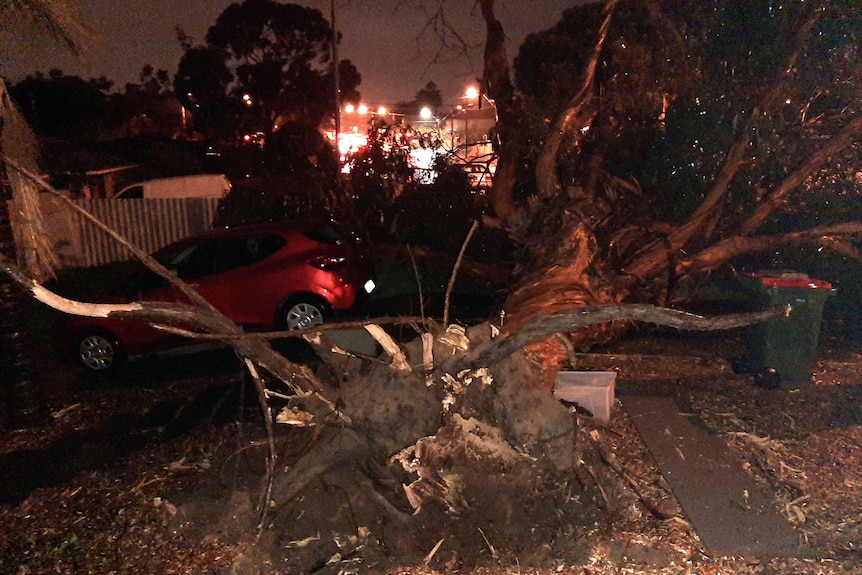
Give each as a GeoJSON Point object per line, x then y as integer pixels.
{"type": "Point", "coordinates": [195, 186]}
{"type": "Point", "coordinates": [274, 276]}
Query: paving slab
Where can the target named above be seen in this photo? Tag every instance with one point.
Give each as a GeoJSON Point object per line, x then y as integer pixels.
{"type": "Point", "coordinates": [731, 512]}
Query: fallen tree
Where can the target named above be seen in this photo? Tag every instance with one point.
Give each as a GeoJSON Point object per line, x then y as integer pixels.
{"type": "Point", "coordinates": [444, 416]}
{"type": "Point", "coordinates": [432, 424]}
{"type": "Point", "coordinates": [450, 398]}
{"type": "Point", "coordinates": [611, 83]}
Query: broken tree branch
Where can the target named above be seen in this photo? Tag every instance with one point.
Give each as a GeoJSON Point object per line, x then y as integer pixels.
{"type": "Point", "coordinates": [298, 377]}
{"type": "Point", "coordinates": [845, 137]}
{"type": "Point", "coordinates": [272, 457]}
{"type": "Point", "coordinates": [495, 350]}
{"type": "Point", "coordinates": [578, 113]}
{"type": "Point", "coordinates": [823, 236]}
{"type": "Point", "coordinates": [144, 257]}
{"type": "Point", "coordinates": [399, 360]}
{"type": "Point", "coordinates": [455, 272]}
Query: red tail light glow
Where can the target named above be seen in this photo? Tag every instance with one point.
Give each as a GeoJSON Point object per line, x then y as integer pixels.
{"type": "Point", "coordinates": [328, 263]}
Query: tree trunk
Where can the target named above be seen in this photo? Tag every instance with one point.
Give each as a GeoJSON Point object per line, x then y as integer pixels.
{"type": "Point", "coordinates": [471, 404]}
{"type": "Point", "coordinates": [497, 84]}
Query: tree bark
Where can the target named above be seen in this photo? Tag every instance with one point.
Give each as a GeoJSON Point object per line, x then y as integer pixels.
{"type": "Point", "coordinates": [577, 115]}
{"type": "Point", "coordinates": [497, 84]}
{"type": "Point", "coordinates": [722, 251]}
{"type": "Point", "coordinates": [652, 261]}
{"type": "Point", "coordinates": [494, 351]}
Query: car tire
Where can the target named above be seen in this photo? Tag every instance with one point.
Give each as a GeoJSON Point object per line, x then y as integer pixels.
{"type": "Point", "coordinates": [303, 313]}
{"type": "Point", "coordinates": [99, 352]}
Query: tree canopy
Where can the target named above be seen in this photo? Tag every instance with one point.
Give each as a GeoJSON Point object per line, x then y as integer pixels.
{"type": "Point", "coordinates": [649, 143]}
{"type": "Point", "coordinates": [273, 61]}
{"type": "Point", "coordinates": [63, 106]}
{"type": "Point", "coordinates": [675, 87]}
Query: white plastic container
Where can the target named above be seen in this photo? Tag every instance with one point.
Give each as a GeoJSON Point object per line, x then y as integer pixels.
{"type": "Point", "coordinates": [592, 390]}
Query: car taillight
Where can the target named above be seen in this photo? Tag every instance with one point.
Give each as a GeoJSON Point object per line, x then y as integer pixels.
{"type": "Point", "coordinates": [328, 263]}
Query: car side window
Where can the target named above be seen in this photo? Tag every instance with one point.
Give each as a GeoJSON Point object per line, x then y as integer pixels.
{"type": "Point", "coordinates": [196, 262]}
{"type": "Point", "coordinates": [256, 248]}
{"type": "Point", "coordinates": [221, 255]}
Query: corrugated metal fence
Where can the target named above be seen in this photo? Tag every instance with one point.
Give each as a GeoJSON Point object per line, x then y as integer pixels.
{"type": "Point", "coordinates": [148, 224]}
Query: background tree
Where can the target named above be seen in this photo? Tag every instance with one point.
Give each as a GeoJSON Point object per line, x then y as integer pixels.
{"type": "Point", "coordinates": [297, 177]}
{"type": "Point", "coordinates": [201, 85]}
{"type": "Point", "coordinates": [279, 60]}
{"type": "Point", "coordinates": [429, 96]}
{"type": "Point", "coordinates": [154, 81]}
{"type": "Point", "coordinates": [63, 106]}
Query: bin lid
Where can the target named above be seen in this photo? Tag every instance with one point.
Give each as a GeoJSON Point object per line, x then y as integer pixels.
{"type": "Point", "coordinates": [789, 280]}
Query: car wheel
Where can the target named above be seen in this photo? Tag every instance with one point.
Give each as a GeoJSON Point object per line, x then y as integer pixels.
{"type": "Point", "coordinates": [99, 352]}
{"type": "Point", "coordinates": [302, 315]}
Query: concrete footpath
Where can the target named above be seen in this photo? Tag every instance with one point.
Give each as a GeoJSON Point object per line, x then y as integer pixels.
{"type": "Point", "coordinates": [731, 513]}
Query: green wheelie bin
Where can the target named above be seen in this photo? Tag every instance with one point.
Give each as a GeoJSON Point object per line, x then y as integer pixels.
{"type": "Point", "coordinates": [782, 351]}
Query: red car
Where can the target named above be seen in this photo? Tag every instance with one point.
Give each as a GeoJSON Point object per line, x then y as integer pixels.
{"type": "Point", "coordinates": [264, 277]}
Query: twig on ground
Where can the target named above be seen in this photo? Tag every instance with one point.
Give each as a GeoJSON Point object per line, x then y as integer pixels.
{"type": "Point", "coordinates": [488, 543]}
{"type": "Point", "coordinates": [270, 434]}
{"type": "Point", "coordinates": [455, 272]}
{"type": "Point", "coordinates": [433, 551]}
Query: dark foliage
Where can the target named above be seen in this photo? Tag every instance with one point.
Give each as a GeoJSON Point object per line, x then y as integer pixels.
{"type": "Point", "coordinates": [63, 106]}
{"type": "Point", "coordinates": [297, 147]}
{"type": "Point", "coordinates": [201, 85]}
{"type": "Point", "coordinates": [437, 215]}
{"type": "Point", "coordinates": [378, 173]}
{"type": "Point", "coordinates": [676, 83]}
{"type": "Point", "coordinates": [264, 63]}
{"type": "Point", "coordinates": [306, 193]}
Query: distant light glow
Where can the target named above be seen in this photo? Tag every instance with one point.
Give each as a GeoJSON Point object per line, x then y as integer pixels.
{"type": "Point", "coordinates": [472, 93]}
{"type": "Point", "coordinates": [351, 142]}
{"type": "Point", "coordinates": [425, 113]}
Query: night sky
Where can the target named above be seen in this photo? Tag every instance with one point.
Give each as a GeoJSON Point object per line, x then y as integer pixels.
{"type": "Point", "coordinates": [388, 40]}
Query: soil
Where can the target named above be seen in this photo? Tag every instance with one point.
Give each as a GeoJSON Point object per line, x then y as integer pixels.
{"type": "Point", "coordinates": [159, 470]}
